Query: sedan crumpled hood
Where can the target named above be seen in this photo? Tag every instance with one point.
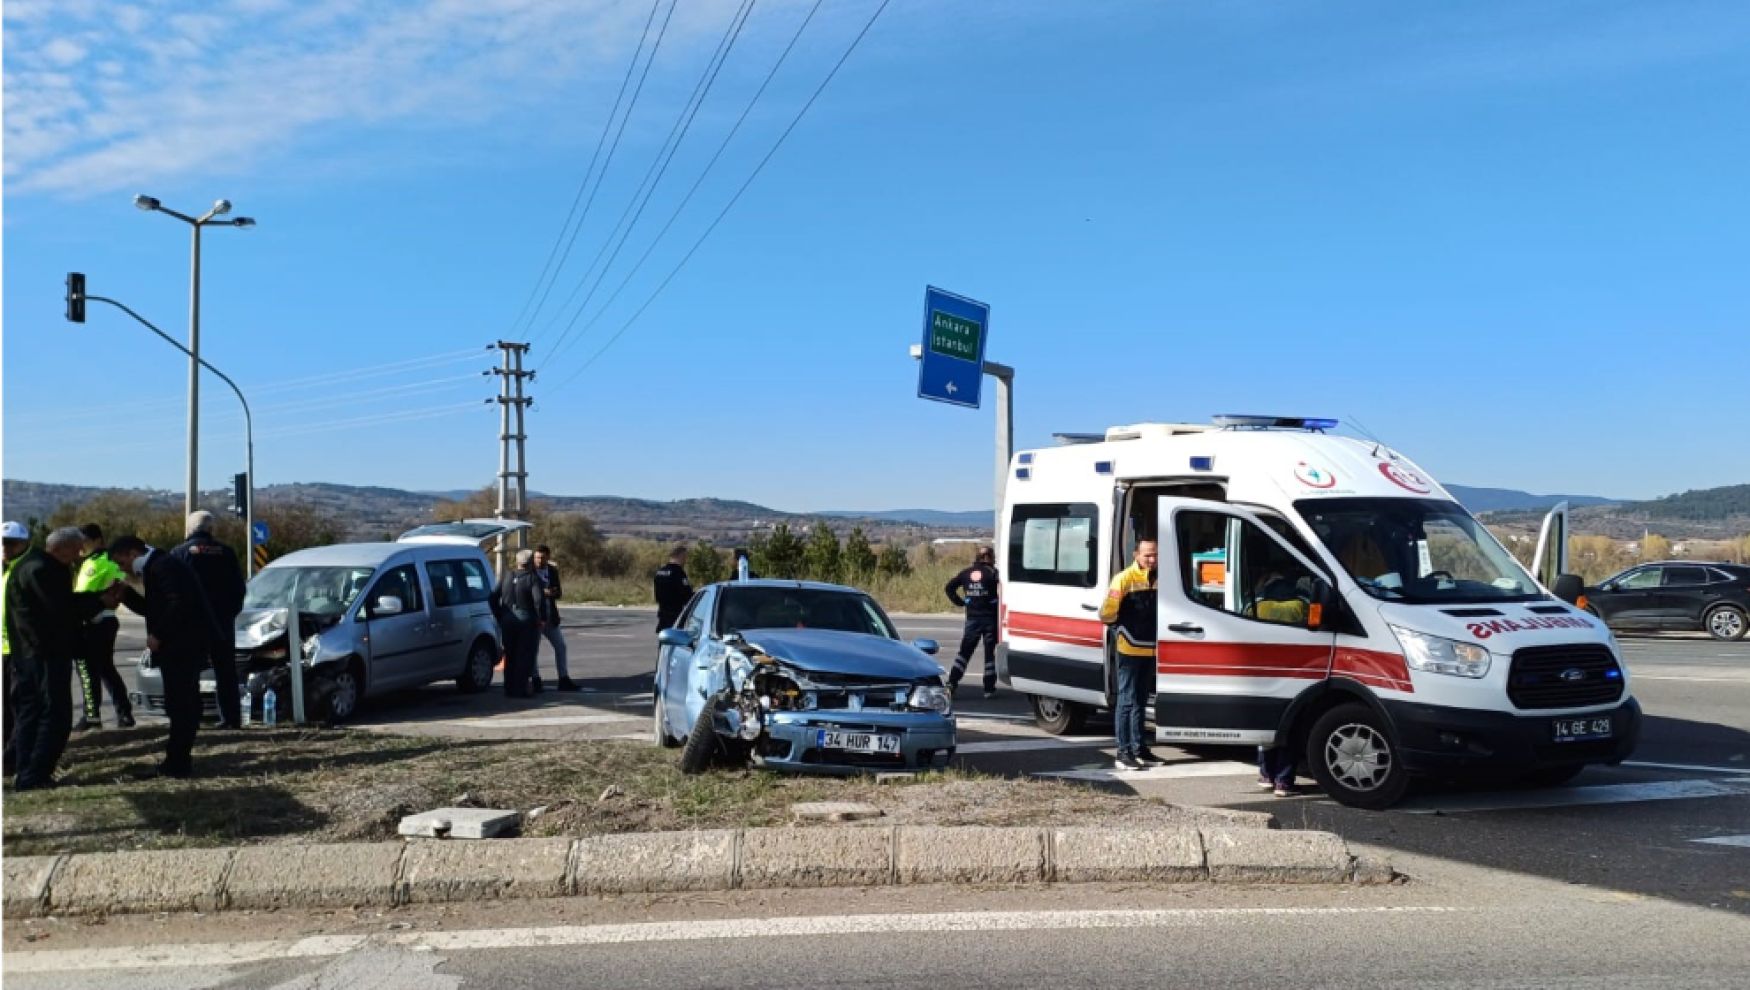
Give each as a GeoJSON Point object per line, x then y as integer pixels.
{"type": "Point", "coordinates": [829, 651]}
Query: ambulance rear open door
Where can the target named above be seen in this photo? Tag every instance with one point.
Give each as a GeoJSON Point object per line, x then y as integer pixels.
{"type": "Point", "coordinates": [1240, 625]}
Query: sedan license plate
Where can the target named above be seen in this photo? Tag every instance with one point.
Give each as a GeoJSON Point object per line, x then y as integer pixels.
{"type": "Point", "coordinates": [1581, 729]}
{"type": "Point", "coordinates": [858, 742]}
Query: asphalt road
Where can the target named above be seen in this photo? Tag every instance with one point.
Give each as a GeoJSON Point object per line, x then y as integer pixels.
{"type": "Point", "coordinates": [1641, 828]}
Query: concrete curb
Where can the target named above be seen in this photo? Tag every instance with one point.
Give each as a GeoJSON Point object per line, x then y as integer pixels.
{"type": "Point", "coordinates": [448, 870]}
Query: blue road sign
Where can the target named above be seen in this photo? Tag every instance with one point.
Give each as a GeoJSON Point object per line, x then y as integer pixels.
{"type": "Point", "coordinates": [955, 328]}
{"type": "Point", "coordinates": [259, 531]}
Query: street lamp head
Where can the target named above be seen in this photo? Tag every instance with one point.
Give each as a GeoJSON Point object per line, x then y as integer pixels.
{"type": "Point", "coordinates": [145, 202]}
{"type": "Point", "coordinates": [243, 222]}
{"type": "Point", "coordinates": [221, 207]}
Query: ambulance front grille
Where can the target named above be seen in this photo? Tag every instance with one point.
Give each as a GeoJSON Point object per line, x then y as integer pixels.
{"type": "Point", "coordinates": [1572, 676]}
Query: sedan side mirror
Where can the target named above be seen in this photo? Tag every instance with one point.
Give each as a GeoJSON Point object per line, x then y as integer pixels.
{"type": "Point", "coordinates": [929, 646]}
{"type": "Point", "coordinates": [387, 605]}
{"type": "Point", "coordinates": [675, 637]}
{"type": "Point", "coordinates": [1569, 587]}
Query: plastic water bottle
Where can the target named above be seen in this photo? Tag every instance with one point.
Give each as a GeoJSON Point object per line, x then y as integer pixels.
{"type": "Point", "coordinates": [269, 708]}
{"type": "Point", "coordinates": [243, 708]}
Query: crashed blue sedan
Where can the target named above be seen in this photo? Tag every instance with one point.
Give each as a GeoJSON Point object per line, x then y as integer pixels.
{"type": "Point", "coordinates": [798, 676]}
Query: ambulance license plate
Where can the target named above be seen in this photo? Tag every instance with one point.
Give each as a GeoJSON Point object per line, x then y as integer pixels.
{"type": "Point", "coordinates": [858, 742]}
{"type": "Point", "coordinates": [1581, 729]}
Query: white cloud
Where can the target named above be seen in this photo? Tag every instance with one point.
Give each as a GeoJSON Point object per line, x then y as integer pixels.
{"type": "Point", "coordinates": [246, 80]}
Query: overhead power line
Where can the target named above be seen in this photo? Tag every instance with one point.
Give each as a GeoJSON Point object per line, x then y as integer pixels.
{"type": "Point", "coordinates": [733, 199]}
{"type": "Point", "coordinates": [542, 283]}
{"type": "Point", "coordinates": [647, 186]}
{"type": "Point", "coordinates": [688, 198]}
{"type": "Point", "coordinates": [609, 160]}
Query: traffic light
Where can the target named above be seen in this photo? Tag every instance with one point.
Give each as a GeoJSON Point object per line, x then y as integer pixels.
{"type": "Point", "coordinates": [75, 297]}
{"type": "Point", "coordinates": [239, 493]}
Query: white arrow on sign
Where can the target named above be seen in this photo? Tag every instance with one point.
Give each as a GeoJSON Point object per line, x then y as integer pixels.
{"type": "Point", "coordinates": [951, 389]}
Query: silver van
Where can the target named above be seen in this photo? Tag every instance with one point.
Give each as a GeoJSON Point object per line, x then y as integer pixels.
{"type": "Point", "coordinates": [372, 618]}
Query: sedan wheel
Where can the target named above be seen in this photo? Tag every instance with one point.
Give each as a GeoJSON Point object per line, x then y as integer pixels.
{"type": "Point", "coordinates": [1727, 622]}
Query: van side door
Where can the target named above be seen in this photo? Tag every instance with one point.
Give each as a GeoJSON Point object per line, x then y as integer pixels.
{"type": "Point", "coordinates": [1052, 583]}
{"type": "Point", "coordinates": [1241, 625]}
{"type": "Point", "coordinates": [399, 627]}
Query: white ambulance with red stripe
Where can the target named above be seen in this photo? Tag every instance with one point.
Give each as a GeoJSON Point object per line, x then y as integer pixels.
{"type": "Point", "coordinates": [1315, 591]}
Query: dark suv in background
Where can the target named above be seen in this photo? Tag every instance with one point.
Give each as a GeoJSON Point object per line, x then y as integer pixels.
{"type": "Point", "coordinates": [1676, 594]}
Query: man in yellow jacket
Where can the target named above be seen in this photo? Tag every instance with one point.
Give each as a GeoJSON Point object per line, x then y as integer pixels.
{"type": "Point", "coordinates": [1130, 609]}
{"type": "Point", "coordinates": [96, 662]}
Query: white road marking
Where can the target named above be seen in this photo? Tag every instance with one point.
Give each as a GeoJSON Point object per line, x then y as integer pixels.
{"type": "Point", "coordinates": [1686, 766]}
{"type": "Point", "coordinates": [1172, 771]}
{"type": "Point", "coordinates": [542, 721]}
{"type": "Point", "coordinates": [1024, 745]}
{"type": "Point", "coordinates": [190, 955]}
{"type": "Point", "coordinates": [1664, 790]}
{"type": "Point", "coordinates": [1742, 841]}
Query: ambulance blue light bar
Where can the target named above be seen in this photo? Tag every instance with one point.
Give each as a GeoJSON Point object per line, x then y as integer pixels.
{"type": "Point", "coordinates": [1232, 421]}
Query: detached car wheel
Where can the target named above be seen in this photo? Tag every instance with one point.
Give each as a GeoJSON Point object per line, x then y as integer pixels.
{"type": "Point", "coordinates": [476, 673]}
{"type": "Point", "coordinates": [1058, 717]}
{"type": "Point", "coordinates": [1727, 622]}
{"type": "Point", "coordinates": [1352, 754]}
{"type": "Point", "coordinates": [701, 745]}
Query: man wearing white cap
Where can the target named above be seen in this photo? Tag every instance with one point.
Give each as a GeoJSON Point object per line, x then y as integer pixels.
{"type": "Point", "coordinates": [15, 538]}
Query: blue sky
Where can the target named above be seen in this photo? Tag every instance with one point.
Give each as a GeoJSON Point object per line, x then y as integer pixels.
{"type": "Point", "coordinates": [1509, 238]}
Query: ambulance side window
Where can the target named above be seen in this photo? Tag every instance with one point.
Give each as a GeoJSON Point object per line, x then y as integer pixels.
{"type": "Point", "coordinates": [1229, 564]}
{"type": "Point", "coordinates": [1054, 543]}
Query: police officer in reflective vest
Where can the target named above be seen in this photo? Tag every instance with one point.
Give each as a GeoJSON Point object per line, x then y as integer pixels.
{"type": "Point", "coordinates": [976, 590]}
{"type": "Point", "coordinates": [96, 662]}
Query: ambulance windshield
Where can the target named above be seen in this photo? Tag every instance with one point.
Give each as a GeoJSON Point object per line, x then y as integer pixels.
{"type": "Point", "coordinates": [1419, 551]}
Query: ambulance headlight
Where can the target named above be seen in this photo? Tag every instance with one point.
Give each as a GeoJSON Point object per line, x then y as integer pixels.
{"type": "Point", "coordinates": [1442, 656]}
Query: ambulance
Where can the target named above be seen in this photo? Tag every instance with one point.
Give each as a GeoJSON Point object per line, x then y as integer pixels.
{"type": "Point", "coordinates": [1314, 591]}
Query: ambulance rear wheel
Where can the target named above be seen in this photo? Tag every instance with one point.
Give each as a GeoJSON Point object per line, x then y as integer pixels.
{"type": "Point", "coordinates": [1057, 716]}
{"type": "Point", "coordinates": [1354, 757]}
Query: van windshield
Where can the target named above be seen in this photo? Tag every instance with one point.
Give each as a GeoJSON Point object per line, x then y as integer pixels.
{"type": "Point", "coordinates": [321, 590]}
{"type": "Point", "coordinates": [1420, 551]}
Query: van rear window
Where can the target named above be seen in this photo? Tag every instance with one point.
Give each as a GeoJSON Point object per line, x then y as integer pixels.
{"type": "Point", "coordinates": [1054, 543]}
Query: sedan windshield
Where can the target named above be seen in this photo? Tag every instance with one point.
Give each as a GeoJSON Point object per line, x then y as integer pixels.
{"type": "Point", "coordinates": [800, 608]}
{"type": "Point", "coordinates": [1421, 551]}
{"type": "Point", "coordinates": [320, 590]}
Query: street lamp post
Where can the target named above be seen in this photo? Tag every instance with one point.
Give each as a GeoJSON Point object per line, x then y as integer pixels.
{"type": "Point", "coordinates": [151, 205]}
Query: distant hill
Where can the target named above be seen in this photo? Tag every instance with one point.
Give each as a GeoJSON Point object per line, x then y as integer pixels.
{"type": "Point", "coordinates": [1480, 500]}
{"type": "Point", "coordinates": [1705, 514]}
{"type": "Point", "coordinates": [923, 517]}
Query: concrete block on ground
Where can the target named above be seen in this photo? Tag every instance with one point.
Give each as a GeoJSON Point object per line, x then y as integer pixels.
{"type": "Point", "coordinates": [460, 823]}
{"type": "Point", "coordinates": [648, 862]}
{"type": "Point", "coordinates": [834, 811]}
{"type": "Point", "coordinates": [137, 881]}
{"type": "Point", "coordinates": [285, 876]}
{"type": "Point", "coordinates": [1374, 870]}
{"type": "Point", "coordinates": [1271, 856]}
{"type": "Point", "coordinates": [816, 857]}
{"type": "Point", "coordinates": [932, 854]}
{"type": "Point", "coordinates": [1106, 855]}
{"type": "Point", "coordinates": [440, 870]}
{"type": "Point", "coordinates": [26, 886]}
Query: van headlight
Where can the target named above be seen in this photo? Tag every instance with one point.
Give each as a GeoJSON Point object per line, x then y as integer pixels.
{"type": "Point", "coordinates": [931, 698]}
{"type": "Point", "coordinates": [260, 629]}
{"type": "Point", "coordinates": [1442, 656]}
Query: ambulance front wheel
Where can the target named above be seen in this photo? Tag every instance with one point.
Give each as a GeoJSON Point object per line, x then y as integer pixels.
{"type": "Point", "coordinates": [1057, 716]}
{"type": "Point", "coordinates": [1354, 756]}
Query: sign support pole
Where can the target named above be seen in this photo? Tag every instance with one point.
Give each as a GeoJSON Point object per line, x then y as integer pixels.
{"type": "Point", "coordinates": [1005, 439]}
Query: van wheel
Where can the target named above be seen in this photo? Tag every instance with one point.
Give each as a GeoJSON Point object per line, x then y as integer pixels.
{"type": "Point", "coordinates": [1057, 716]}
{"type": "Point", "coordinates": [476, 673]}
{"type": "Point", "coordinates": [1352, 754]}
{"type": "Point", "coordinates": [344, 689]}
{"type": "Point", "coordinates": [701, 745]}
{"type": "Point", "coordinates": [1727, 622]}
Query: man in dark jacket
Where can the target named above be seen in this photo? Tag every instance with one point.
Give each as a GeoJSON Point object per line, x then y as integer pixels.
{"type": "Point", "coordinates": [221, 579]}
{"type": "Point", "coordinates": [44, 628]}
{"type": "Point", "coordinates": [975, 589]}
{"type": "Point", "coordinates": [180, 631]}
{"type": "Point", "coordinates": [521, 622]}
{"type": "Point", "coordinates": [551, 594]}
{"type": "Point", "coordinates": [673, 589]}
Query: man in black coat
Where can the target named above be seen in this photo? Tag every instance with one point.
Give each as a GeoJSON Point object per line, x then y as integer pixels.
{"type": "Point", "coordinates": [180, 631]}
{"type": "Point", "coordinates": [673, 589]}
{"type": "Point", "coordinates": [521, 619]}
{"type": "Point", "coordinates": [222, 580]}
{"type": "Point", "coordinates": [976, 589]}
{"type": "Point", "coordinates": [44, 628]}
